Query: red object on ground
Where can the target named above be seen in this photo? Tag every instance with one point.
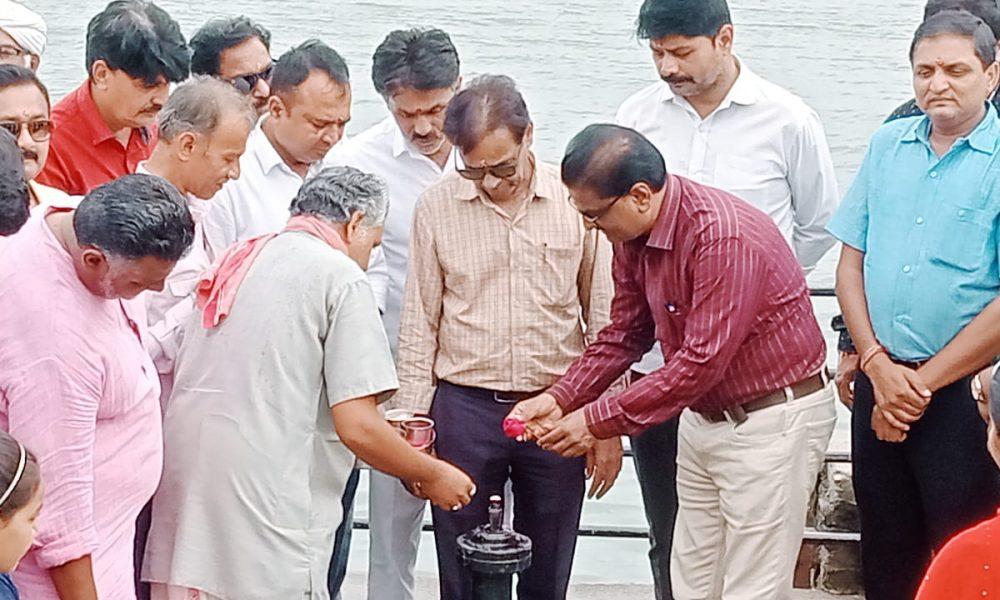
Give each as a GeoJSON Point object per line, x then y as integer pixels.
{"type": "Point", "coordinates": [513, 427]}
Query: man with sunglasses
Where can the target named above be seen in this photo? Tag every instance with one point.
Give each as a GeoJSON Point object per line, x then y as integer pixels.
{"type": "Point", "coordinates": [237, 51]}
{"type": "Point", "coordinates": [104, 128]}
{"type": "Point", "coordinates": [24, 113]}
{"type": "Point", "coordinates": [23, 34]}
{"type": "Point", "coordinates": [718, 123]}
{"type": "Point", "coordinates": [505, 288]}
{"type": "Point", "coordinates": [714, 281]}
{"type": "Point", "coordinates": [309, 107]}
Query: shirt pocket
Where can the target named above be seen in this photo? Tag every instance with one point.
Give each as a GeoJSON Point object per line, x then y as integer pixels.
{"type": "Point", "coordinates": [959, 238]}
{"type": "Point", "coordinates": [558, 269]}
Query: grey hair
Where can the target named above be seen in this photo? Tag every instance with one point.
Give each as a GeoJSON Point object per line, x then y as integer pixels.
{"type": "Point", "coordinates": [199, 104]}
{"type": "Point", "coordinates": [336, 193]}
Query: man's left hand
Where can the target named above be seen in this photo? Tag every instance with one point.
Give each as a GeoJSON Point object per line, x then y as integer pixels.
{"type": "Point", "coordinates": [570, 437]}
{"type": "Point", "coordinates": [604, 462]}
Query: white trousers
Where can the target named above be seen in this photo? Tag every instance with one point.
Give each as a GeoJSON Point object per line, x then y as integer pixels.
{"type": "Point", "coordinates": [743, 493]}
{"type": "Point", "coordinates": [394, 520]}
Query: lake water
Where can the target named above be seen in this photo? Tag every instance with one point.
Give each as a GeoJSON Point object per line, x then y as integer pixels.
{"type": "Point", "coordinates": [575, 62]}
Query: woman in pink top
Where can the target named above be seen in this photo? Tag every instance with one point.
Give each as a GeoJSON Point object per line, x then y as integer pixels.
{"type": "Point", "coordinates": [76, 385]}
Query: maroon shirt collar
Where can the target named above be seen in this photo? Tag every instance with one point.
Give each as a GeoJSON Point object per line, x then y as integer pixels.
{"type": "Point", "coordinates": [662, 234]}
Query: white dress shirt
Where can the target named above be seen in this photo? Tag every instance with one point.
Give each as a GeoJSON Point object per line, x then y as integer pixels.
{"type": "Point", "coordinates": [762, 144]}
{"type": "Point", "coordinates": [167, 310]}
{"type": "Point", "coordinates": [383, 150]}
{"type": "Point", "coordinates": [256, 203]}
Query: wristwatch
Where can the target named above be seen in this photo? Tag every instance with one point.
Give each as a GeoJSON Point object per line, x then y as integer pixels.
{"type": "Point", "coordinates": [977, 388]}
{"type": "Point", "coordinates": [977, 385]}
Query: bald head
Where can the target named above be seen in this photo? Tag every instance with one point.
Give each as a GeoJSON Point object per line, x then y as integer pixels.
{"type": "Point", "coordinates": [200, 105]}
{"type": "Point", "coordinates": [610, 159]}
{"type": "Point", "coordinates": [13, 188]}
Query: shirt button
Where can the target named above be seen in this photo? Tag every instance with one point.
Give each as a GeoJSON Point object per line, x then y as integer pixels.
{"type": "Point", "coordinates": [906, 268]}
{"type": "Point", "coordinates": [920, 220]}
{"type": "Point", "coordinates": [961, 213]}
{"type": "Point", "coordinates": [933, 174]}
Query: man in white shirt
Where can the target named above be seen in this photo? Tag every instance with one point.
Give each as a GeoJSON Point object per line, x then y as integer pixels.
{"type": "Point", "coordinates": [310, 105]}
{"type": "Point", "coordinates": [203, 132]}
{"type": "Point", "coordinates": [417, 73]}
{"type": "Point", "coordinates": [718, 123]}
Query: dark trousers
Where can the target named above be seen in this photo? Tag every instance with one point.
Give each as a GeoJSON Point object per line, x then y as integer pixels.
{"type": "Point", "coordinates": [914, 495]}
{"type": "Point", "coordinates": [548, 493]}
{"type": "Point", "coordinates": [654, 452]}
{"type": "Point", "coordinates": [342, 539]}
{"type": "Point", "coordinates": [142, 525]}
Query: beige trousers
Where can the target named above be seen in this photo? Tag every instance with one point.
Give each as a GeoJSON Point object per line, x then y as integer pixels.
{"type": "Point", "coordinates": [743, 492]}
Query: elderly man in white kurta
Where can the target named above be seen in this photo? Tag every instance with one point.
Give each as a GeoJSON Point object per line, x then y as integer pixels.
{"type": "Point", "coordinates": [288, 334]}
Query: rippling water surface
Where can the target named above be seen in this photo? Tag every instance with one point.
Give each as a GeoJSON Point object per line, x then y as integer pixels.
{"type": "Point", "coordinates": [575, 62]}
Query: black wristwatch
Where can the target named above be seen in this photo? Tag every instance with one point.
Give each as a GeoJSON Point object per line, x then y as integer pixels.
{"type": "Point", "coordinates": [844, 341]}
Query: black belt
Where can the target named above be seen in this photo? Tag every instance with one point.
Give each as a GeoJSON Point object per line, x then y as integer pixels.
{"type": "Point", "coordinates": [501, 396]}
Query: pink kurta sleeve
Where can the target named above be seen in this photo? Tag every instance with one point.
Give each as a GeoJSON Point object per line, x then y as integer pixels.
{"type": "Point", "coordinates": [52, 409]}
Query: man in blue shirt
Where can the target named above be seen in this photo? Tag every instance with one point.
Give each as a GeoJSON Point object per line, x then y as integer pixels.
{"type": "Point", "coordinates": [918, 281]}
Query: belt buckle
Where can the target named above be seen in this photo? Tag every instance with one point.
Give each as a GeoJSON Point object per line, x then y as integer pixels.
{"type": "Point", "coordinates": [501, 400]}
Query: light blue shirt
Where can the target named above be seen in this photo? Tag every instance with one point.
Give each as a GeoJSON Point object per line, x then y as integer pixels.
{"type": "Point", "coordinates": [928, 228]}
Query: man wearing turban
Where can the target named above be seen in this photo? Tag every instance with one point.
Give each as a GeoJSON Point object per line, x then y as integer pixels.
{"type": "Point", "coordinates": [22, 35]}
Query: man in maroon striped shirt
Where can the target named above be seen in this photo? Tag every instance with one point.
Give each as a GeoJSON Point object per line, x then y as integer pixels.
{"type": "Point", "coordinates": [713, 280]}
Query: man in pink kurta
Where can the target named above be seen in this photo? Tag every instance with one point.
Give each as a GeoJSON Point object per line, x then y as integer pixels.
{"type": "Point", "coordinates": [76, 385]}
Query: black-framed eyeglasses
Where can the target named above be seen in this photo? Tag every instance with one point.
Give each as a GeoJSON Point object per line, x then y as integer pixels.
{"type": "Point", "coordinates": [591, 218]}
{"type": "Point", "coordinates": [504, 170]}
{"type": "Point", "coordinates": [39, 129]}
{"type": "Point", "coordinates": [246, 83]}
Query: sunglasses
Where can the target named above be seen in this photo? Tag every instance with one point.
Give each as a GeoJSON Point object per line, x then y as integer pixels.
{"type": "Point", "coordinates": [39, 129]}
{"type": "Point", "coordinates": [246, 83]}
{"type": "Point", "coordinates": [504, 170]}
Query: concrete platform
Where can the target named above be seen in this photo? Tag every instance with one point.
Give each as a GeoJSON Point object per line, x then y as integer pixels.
{"type": "Point", "coordinates": [354, 589]}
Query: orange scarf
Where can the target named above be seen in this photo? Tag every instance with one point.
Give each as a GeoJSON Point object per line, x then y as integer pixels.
{"type": "Point", "coordinates": [217, 289]}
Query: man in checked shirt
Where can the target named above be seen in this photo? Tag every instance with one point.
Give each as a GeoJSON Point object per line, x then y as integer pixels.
{"type": "Point", "coordinates": [503, 275]}
{"type": "Point", "coordinates": [712, 279]}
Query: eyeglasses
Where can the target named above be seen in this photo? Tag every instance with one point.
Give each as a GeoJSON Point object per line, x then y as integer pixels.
{"type": "Point", "coordinates": [504, 170]}
{"type": "Point", "coordinates": [592, 218]}
{"type": "Point", "coordinates": [11, 53]}
{"type": "Point", "coordinates": [15, 55]}
{"type": "Point", "coordinates": [39, 129]}
{"type": "Point", "coordinates": [246, 83]}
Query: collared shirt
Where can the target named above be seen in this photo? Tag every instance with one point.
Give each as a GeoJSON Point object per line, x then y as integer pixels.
{"type": "Point", "coordinates": [250, 446]}
{"type": "Point", "coordinates": [384, 151]}
{"type": "Point", "coordinates": [256, 203]}
{"type": "Point", "coordinates": [928, 229]}
{"type": "Point", "coordinates": [717, 286]}
{"type": "Point", "coordinates": [497, 302]}
{"type": "Point", "coordinates": [84, 152]}
{"type": "Point", "coordinates": [762, 144]}
{"type": "Point", "coordinates": [43, 196]}
{"type": "Point", "coordinates": [167, 310]}
{"type": "Point", "coordinates": [79, 390]}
